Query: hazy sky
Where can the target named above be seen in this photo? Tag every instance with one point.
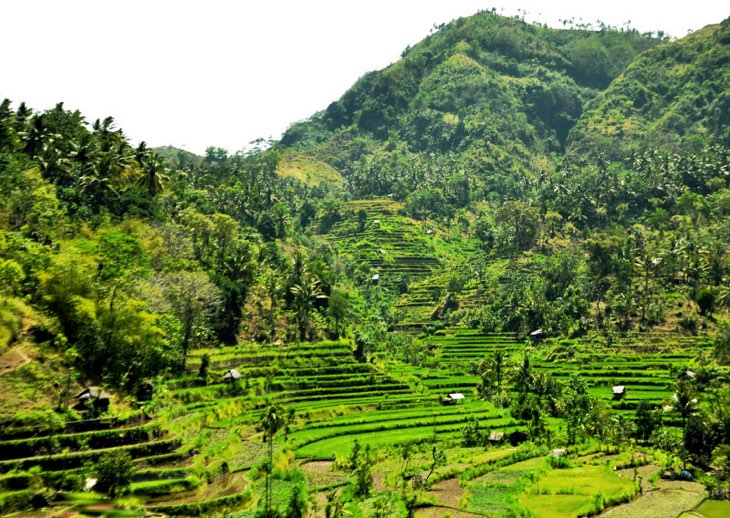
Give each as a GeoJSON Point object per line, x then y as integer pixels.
{"type": "Point", "coordinates": [223, 73]}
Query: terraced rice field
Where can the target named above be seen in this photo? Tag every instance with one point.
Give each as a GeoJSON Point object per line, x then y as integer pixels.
{"type": "Point", "coordinates": [337, 400]}
{"type": "Point", "coordinates": [401, 252]}
{"type": "Point", "coordinates": [641, 363]}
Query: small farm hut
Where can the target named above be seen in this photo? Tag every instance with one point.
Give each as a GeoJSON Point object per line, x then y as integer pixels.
{"type": "Point", "coordinates": [231, 375]}
{"type": "Point", "coordinates": [96, 397]}
{"type": "Point", "coordinates": [496, 437]}
{"type": "Point", "coordinates": [537, 335]}
{"type": "Point", "coordinates": [454, 398]}
{"type": "Point", "coordinates": [619, 391]}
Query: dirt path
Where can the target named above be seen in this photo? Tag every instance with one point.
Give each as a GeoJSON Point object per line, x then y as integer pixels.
{"type": "Point", "coordinates": [13, 359]}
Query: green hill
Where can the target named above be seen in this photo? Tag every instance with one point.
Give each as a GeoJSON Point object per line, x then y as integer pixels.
{"type": "Point", "coordinates": [674, 97]}
{"type": "Point", "coordinates": [498, 94]}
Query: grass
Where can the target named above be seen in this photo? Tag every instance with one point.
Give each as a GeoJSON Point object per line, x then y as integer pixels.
{"type": "Point", "coordinates": [714, 509]}
{"type": "Point", "coordinates": [308, 170]}
{"type": "Point", "coordinates": [576, 491]}
{"type": "Point", "coordinates": [557, 506]}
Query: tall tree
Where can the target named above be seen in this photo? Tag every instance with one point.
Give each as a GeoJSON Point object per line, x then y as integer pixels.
{"type": "Point", "coordinates": [272, 420]}
{"type": "Point", "coordinates": [192, 297]}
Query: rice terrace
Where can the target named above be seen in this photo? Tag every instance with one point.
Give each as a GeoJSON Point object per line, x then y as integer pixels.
{"type": "Point", "coordinates": [491, 279]}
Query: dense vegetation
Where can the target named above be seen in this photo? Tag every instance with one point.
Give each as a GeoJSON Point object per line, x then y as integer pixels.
{"type": "Point", "coordinates": [527, 215]}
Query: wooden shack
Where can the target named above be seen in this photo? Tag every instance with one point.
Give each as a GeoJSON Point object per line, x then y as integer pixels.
{"type": "Point", "coordinates": [93, 398]}
{"type": "Point", "coordinates": [619, 391]}
{"type": "Point", "coordinates": [231, 375]}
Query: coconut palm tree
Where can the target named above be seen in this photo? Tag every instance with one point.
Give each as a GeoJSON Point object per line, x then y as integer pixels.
{"type": "Point", "coordinates": [305, 292]}
{"type": "Point", "coordinates": [153, 170]}
{"type": "Point", "coordinates": [684, 401]}
{"type": "Point", "coordinates": [272, 420]}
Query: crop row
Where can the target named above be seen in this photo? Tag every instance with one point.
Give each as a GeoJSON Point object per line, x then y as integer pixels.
{"type": "Point", "coordinates": [326, 448]}
{"type": "Point", "coordinates": [19, 448]}
{"type": "Point", "coordinates": [204, 507]}
{"type": "Point", "coordinates": [363, 419]}
{"type": "Point", "coordinates": [63, 461]}
{"type": "Point", "coordinates": [22, 432]}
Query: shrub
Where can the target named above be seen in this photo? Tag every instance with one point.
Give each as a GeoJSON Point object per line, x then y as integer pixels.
{"type": "Point", "coordinates": [115, 472]}
{"type": "Point", "coordinates": [559, 462]}
{"type": "Point", "coordinates": [705, 299]}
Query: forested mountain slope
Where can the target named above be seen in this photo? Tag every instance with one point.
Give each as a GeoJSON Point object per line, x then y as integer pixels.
{"type": "Point", "coordinates": [672, 97]}
{"type": "Point", "coordinates": [496, 95]}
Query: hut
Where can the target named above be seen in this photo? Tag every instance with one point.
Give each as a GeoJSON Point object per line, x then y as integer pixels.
{"type": "Point", "coordinates": [619, 391]}
{"type": "Point", "coordinates": [537, 335]}
{"type": "Point", "coordinates": [496, 437]}
{"type": "Point", "coordinates": [456, 397]}
{"type": "Point", "coordinates": [93, 398]}
{"type": "Point", "coordinates": [452, 399]}
{"type": "Point", "coordinates": [231, 375]}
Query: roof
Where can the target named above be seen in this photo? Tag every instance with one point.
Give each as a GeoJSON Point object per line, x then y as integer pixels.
{"type": "Point", "coordinates": [93, 393]}
{"type": "Point", "coordinates": [558, 452]}
{"type": "Point", "coordinates": [496, 436]}
{"type": "Point", "coordinates": [375, 277]}
{"type": "Point", "coordinates": [456, 395]}
{"type": "Point", "coordinates": [232, 374]}
{"type": "Point", "coordinates": [619, 389]}
{"type": "Point", "coordinates": [537, 332]}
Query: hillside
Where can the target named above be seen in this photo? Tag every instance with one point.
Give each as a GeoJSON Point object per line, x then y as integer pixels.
{"type": "Point", "coordinates": [492, 279]}
{"type": "Point", "coordinates": [498, 94]}
{"type": "Point", "coordinates": [673, 97]}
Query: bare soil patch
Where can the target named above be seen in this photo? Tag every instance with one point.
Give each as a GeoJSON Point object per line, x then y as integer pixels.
{"type": "Point", "coordinates": [13, 359]}
{"type": "Point", "coordinates": [319, 473]}
{"type": "Point", "coordinates": [448, 492]}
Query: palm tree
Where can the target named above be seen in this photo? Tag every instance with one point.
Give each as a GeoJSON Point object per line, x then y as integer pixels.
{"type": "Point", "coordinates": [153, 170]}
{"type": "Point", "coordinates": [273, 419]}
{"type": "Point", "coordinates": [523, 376]}
{"type": "Point", "coordinates": [35, 136]}
{"type": "Point", "coordinates": [305, 292]}
{"type": "Point", "coordinates": [684, 402]}
{"type": "Point", "coordinates": [497, 365]}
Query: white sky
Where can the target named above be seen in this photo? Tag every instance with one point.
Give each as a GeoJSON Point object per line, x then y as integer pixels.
{"type": "Point", "coordinates": [211, 72]}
